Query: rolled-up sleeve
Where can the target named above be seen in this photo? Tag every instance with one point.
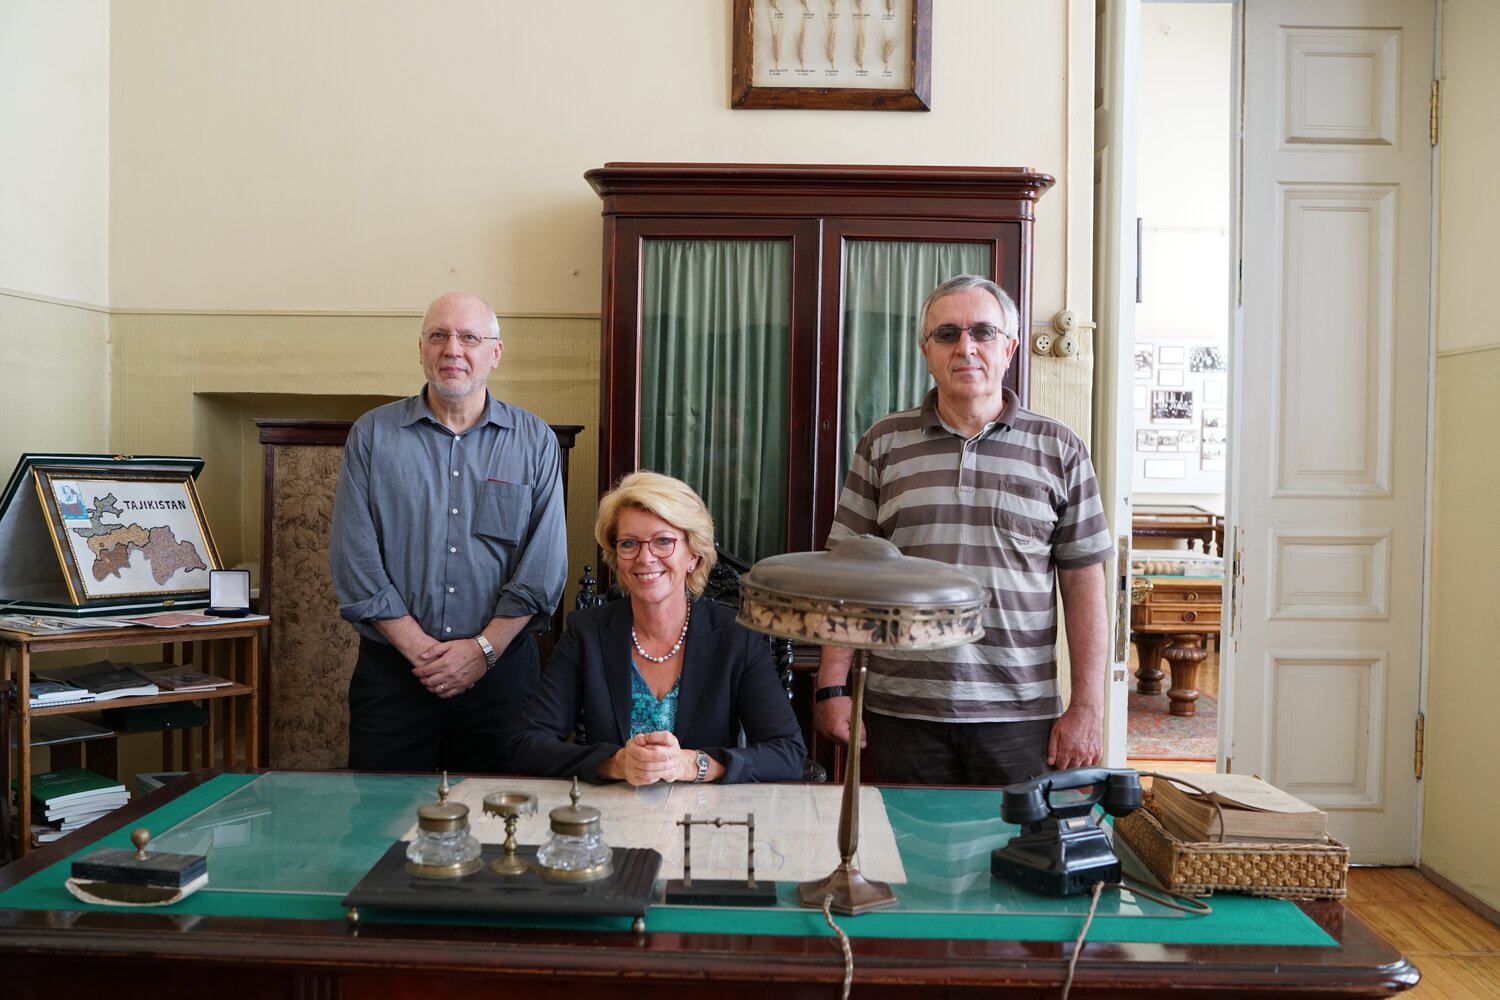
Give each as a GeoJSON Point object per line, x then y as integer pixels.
{"type": "Point", "coordinates": [364, 588]}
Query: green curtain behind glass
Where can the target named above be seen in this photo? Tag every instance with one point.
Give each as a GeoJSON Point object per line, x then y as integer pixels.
{"type": "Point", "coordinates": [715, 338]}
{"type": "Point", "coordinates": [884, 284]}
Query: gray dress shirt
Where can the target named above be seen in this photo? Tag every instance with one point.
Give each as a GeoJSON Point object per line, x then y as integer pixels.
{"type": "Point", "coordinates": [452, 529]}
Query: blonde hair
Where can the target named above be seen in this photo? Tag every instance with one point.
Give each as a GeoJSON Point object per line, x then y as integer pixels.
{"type": "Point", "coordinates": [673, 501]}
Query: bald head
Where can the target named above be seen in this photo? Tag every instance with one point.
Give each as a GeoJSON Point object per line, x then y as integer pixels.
{"type": "Point", "coordinates": [459, 346]}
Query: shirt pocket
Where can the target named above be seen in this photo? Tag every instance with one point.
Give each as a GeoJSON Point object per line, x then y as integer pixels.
{"type": "Point", "coordinates": [1024, 513]}
{"type": "Point", "coordinates": [504, 511]}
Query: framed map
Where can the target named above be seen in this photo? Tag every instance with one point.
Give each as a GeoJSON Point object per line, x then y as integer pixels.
{"type": "Point", "coordinates": [123, 534]}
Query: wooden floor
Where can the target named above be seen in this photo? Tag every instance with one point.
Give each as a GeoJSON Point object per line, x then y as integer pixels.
{"type": "Point", "coordinates": [1457, 950]}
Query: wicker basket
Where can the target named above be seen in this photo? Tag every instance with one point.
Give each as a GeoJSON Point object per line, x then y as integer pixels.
{"type": "Point", "coordinates": [1289, 871]}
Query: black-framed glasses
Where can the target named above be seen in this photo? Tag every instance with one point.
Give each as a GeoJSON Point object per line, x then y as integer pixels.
{"type": "Point", "coordinates": [661, 546]}
{"type": "Point", "coordinates": [980, 333]}
{"type": "Point", "coordinates": [439, 338]}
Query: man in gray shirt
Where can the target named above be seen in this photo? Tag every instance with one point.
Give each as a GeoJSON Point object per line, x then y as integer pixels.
{"type": "Point", "coordinates": [448, 546]}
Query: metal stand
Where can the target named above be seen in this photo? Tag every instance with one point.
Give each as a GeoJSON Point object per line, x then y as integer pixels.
{"type": "Point", "coordinates": [719, 892]}
{"type": "Point", "coordinates": [852, 893]}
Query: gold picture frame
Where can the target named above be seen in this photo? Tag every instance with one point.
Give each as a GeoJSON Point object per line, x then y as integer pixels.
{"type": "Point", "coordinates": [844, 55]}
{"type": "Point", "coordinates": [122, 533]}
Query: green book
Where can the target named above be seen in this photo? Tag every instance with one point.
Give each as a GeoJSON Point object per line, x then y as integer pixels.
{"type": "Point", "coordinates": [70, 786]}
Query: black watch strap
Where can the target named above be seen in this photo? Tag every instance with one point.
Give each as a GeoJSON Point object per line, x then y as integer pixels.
{"type": "Point", "coordinates": [835, 691]}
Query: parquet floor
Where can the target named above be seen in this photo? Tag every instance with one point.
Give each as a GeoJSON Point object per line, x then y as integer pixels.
{"type": "Point", "coordinates": [1457, 950]}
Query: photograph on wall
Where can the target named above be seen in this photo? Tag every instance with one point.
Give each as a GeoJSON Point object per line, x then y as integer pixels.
{"type": "Point", "coordinates": [1169, 354]}
{"type": "Point", "coordinates": [1206, 359]}
{"type": "Point", "coordinates": [1213, 390]}
{"type": "Point", "coordinates": [1146, 440]}
{"type": "Point", "coordinates": [1212, 419]}
{"type": "Point", "coordinates": [127, 535]}
{"type": "Point", "coordinates": [1170, 377]}
{"type": "Point", "coordinates": [1171, 406]}
{"type": "Point", "coordinates": [1165, 468]}
{"type": "Point", "coordinates": [1144, 363]}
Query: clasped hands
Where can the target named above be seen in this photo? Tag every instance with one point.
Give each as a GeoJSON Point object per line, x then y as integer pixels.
{"type": "Point", "coordinates": [450, 668]}
{"type": "Point", "coordinates": [651, 757]}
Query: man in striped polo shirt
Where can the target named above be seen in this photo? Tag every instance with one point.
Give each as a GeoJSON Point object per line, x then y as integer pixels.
{"type": "Point", "coordinates": [973, 479]}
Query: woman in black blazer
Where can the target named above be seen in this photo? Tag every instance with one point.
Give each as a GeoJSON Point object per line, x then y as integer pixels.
{"type": "Point", "coordinates": [666, 682]}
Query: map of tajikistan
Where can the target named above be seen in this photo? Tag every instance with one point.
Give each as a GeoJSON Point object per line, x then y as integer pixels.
{"type": "Point", "coordinates": [112, 545]}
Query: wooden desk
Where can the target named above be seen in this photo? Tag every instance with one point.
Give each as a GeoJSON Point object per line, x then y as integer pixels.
{"type": "Point", "coordinates": [230, 650]}
{"type": "Point", "coordinates": [1171, 617]}
{"type": "Point", "coordinates": [248, 944]}
{"type": "Point", "coordinates": [1186, 521]}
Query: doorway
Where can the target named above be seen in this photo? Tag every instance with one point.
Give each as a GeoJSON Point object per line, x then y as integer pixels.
{"type": "Point", "coordinates": [1179, 395]}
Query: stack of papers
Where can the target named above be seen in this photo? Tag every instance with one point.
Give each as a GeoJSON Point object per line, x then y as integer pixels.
{"type": "Point", "coordinates": [73, 797]}
{"type": "Point", "coordinates": [44, 691]}
{"type": "Point", "coordinates": [106, 680]}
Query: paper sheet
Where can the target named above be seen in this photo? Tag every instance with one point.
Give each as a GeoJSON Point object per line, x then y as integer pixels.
{"type": "Point", "coordinates": [796, 826]}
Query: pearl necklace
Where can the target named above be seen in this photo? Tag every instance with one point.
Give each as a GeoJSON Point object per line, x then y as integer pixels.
{"type": "Point", "coordinates": [681, 638]}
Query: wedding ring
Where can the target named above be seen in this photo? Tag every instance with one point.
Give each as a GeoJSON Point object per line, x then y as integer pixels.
{"type": "Point", "coordinates": [442, 687]}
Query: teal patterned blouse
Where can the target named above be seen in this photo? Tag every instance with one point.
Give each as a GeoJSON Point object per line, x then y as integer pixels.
{"type": "Point", "coordinates": [647, 715]}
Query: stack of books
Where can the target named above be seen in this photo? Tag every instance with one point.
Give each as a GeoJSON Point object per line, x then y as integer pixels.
{"type": "Point", "coordinates": [1238, 806]}
{"type": "Point", "coordinates": [62, 801]}
{"type": "Point", "coordinates": [106, 680]}
{"type": "Point", "coordinates": [44, 691]}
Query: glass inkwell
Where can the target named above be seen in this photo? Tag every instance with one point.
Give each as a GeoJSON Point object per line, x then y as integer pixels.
{"type": "Point", "coordinates": [443, 846]}
{"type": "Point", "coordinates": [575, 851]}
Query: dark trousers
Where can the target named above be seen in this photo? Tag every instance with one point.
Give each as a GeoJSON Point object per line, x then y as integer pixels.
{"type": "Point", "coordinates": [396, 724]}
{"type": "Point", "coordinates": [917, 752]}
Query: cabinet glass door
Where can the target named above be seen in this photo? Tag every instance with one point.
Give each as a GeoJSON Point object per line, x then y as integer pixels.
{"type": "Point", "coordinates": [715, 383]}
{"type": "Point", "coordinates": [884, 283]}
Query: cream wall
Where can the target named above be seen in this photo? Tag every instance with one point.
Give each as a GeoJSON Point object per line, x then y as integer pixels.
{"type": "Point", "coordinates": [291, 183]}
{"type": "Point", "coordinates": [54, 198]}
{"type": "Point", "coordinates": [1461, 812]}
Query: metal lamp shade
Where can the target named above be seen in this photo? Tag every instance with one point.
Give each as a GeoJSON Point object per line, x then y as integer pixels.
{"type": "Point", "coordinates": [863, 594]}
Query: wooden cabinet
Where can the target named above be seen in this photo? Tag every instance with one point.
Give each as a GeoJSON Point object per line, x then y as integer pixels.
{"type": "Point", "coordinates": [758, 318]}
{"type": "Point", "coordinates": [230, 650]}
{"type": "Point", "coordinates": [1171, 617]}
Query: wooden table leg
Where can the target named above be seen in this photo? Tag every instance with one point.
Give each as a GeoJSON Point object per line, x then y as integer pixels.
{"type": "Point", "coordinates": [1183, 654]}
{"type": "Point", "coordinates": [1148, 674]}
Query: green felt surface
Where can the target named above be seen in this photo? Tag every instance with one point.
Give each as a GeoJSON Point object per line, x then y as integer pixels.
{"type": "Point", "coordinates": [290, 846]}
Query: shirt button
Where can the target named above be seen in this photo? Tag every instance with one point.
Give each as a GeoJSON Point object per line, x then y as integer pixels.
{"type": "Point", "coordinates": [448, 630]}
{"type": "Point", "coordinates": [455, 472]}
{"type": "Point", "coordinates": [450, 590]}
{"type": "Point", "coordinates": [453, 511]}
{"type": "Point", "coordinates": [451, 549]}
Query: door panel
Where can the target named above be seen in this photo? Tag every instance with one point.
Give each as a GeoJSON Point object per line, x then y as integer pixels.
{"type": "Point", "coordinates": [1332, 357]}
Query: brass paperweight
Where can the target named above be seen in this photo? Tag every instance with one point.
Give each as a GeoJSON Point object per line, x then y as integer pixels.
{"type": "Point", "coordinates": [511, 805]}
{"type": "Point", "coordinates": [575, 851]}
{"type": "Point", "coordinates": [443, 846]}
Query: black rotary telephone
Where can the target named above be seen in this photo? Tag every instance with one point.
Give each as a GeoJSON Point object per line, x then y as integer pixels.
{"type": "Point", "coordinates": [1060, 850]}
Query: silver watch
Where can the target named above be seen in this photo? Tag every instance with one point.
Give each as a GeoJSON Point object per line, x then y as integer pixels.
{"type": "Point", "coordinates": [486, 649]}
{"type": "Point", "coordinates": [702, 768]}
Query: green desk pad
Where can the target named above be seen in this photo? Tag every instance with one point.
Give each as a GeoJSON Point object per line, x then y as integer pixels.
{"type": "Point", "coordinates": [290, 845]}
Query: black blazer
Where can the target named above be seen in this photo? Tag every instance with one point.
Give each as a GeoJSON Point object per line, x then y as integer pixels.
{"type": "Point", "coordinates": [728, 683]}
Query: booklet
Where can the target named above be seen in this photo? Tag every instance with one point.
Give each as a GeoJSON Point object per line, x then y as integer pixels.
{"type": "Point", "coordinates": [106, 680]}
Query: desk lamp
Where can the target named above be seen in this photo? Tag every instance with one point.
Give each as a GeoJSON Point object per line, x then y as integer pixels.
{"type": "Point", "coordinates": [862, 594]}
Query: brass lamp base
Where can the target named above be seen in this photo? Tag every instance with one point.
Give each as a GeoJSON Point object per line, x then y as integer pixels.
{"type": "Point", "coordinates": [852, 893]}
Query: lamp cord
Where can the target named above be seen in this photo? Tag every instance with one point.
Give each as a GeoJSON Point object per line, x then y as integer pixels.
{"type": "Point", "coordinates": [843, 944]}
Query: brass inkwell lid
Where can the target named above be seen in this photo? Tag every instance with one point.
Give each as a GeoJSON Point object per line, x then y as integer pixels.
{"type": "Point", "coordinates": [443, 846]}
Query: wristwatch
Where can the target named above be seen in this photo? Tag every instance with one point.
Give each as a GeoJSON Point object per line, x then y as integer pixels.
{"type": "Point", "coordinates": [486, 649]}
{"type": "Point", "coordinates": [702, 768]}
{"type": "Point", "coordinates": [834, 691]}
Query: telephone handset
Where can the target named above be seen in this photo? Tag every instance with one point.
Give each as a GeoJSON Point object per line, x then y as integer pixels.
{"type": "Point", "coordinates": [1060, 850]}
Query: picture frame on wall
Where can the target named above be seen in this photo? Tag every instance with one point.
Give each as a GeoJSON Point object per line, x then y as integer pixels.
{"type": "Point", "coordinates": [1145, 363]}
{"type": "Point", "coordinates": [1171, 406]}
{"type": "Point", "coordinates": [832, 55]}
{"type": "Point", "coordinates": [1207, 358]}
{"type": "Point", "coordinates": [1169, 354]}
{"type": "Point", "coordinates": [1170, 377]}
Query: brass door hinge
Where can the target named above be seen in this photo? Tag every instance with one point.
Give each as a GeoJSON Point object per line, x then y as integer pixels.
{"type": "Point", "coordinates": [1421, 744]}
{"type": "Point", "coordinates": [1432, 120]}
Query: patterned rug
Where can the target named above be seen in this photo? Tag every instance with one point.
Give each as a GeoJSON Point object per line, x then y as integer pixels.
{"type": "Point", "coordinates": [1154, 733]}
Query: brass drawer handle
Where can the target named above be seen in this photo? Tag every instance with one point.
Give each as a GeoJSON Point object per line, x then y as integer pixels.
{"type": "Point", "coordinates": [1190, 596]}
{"type": "Point", "coordinates": [1190, 616]}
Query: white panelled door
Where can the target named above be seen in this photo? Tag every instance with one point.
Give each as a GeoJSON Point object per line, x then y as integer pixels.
{"type": "Point", "coordinates": [1330, 410]}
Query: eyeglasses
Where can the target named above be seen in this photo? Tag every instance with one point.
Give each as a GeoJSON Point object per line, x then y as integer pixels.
{"type": "Point", "coordinates": [980, 333]}
{"type": "Point", "coordinates": [661, 547]}
{"type": "Point", "coordinates": [439, 338]}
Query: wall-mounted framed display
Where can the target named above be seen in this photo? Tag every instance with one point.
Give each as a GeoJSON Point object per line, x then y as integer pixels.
{"type": "Point", "coordinates": [845, 55]}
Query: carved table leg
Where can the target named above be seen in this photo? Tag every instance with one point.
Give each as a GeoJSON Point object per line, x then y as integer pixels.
{"type": "Point", "coordinates": [1148, 674]}
{"type": "Point", "coordinates": [1183, 654]}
